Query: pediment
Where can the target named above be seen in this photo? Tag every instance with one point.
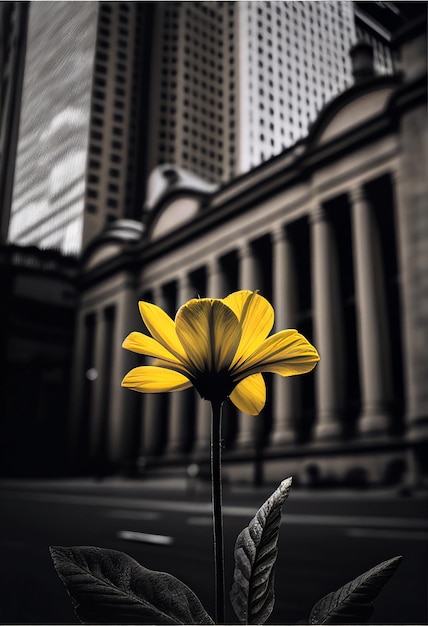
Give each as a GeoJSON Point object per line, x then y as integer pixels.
{"type": "Point", "coordinates": [102, 254]}
{"type": "Point", "coordinates": [355, 113]}
{"type": "Point", "coordinates": [176, 213]}
{"type": "Point", "coordinates": [111, 242]}
{"type": "Point", "coordinates": [352, 109]}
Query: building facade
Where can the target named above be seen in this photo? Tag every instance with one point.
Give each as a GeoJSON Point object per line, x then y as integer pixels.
{"type": "Point", "coordinates": [238, 82]}
{"type": "Point", "coordinates": [49, 183]}
{"type": "Point", "coordinates": [120, 107]}
{"type": "Point", "coordinates": [193, 88]}
{"type": "Point", "coordinates": [13, 31]}
{"type": "Point", "coordinates": [333, 232]}
{"type": "Point", "coordinates": [293, 58]}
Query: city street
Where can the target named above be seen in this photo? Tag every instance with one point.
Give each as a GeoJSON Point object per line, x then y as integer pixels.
{"type": "Point", "coordinates": [325, 541]}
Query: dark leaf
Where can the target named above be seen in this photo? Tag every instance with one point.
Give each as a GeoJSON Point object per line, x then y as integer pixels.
{"type": "Point", "coordinates": [109, 587]}
{"type": "Point", "coordinates": [253, 593]}
{"type": "Point", "coordinates": [352, 603]}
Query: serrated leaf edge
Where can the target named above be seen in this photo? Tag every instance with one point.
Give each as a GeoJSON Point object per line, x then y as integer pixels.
{"type": "Point", "coordinates": [384, 566]}
{"type": "Point", "coordinates": [105, 582]}
{"type": "Point", "coordinates": [254, 531]}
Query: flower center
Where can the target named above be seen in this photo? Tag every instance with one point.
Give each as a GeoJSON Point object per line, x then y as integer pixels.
{"type": "Point", "coordinates": [215, 386]}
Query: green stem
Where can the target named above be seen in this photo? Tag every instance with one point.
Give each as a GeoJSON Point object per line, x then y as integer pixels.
{"type": "Point", "coordinates": [216, 411]}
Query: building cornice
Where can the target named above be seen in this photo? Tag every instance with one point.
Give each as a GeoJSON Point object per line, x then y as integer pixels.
{"type": "Point", "coordinates": [291, 168]}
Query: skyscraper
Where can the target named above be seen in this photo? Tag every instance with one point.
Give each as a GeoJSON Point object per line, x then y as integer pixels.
{"type": "Point", "coordinates": [293, 58]}
{"type": "Point", "coordinates": [13, 27]}
{"type": "Point", "coordinates": [49, 185]}
{"type": "Point", "coordinates": [112, 90]}
{"type": "Point", "coordinates": [119, 115]}
{"type": "Point", "coordinates": [193, 88]}
{"type": "Point", "coordinates": [239, 82]}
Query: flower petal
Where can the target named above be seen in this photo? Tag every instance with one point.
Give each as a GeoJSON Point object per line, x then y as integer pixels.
{"type": "Point", "coordinates": [162, 328]}
{"type": "Point", "coordinates": [152, 379]}
{"type": "Point", "coordinates": [209, 332]}
{"type": "Point", "coordinates": [249, 396]}
{"type": "Point", "coordinates": [237, 301]}
{"type": "Point", "coordinates": [143, 344]}
{"type": "Point", "coordinates": [255, 315]}
{"type": "Point", "coordinates": [286, 353]}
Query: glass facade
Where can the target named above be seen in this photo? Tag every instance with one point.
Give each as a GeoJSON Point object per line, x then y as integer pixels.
{"type": "Point", "coordinates": [48, 195]}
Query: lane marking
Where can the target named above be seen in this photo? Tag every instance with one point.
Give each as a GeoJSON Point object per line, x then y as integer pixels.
{"type": "Point", "coordinates": [199, 521]}
{"type": "Point", "coordinates": [140, 515]}
{"type": "Point", "coordinates": [159, 540]}
{"type": "Point", "coordinates": [415, 535]}
{"type": "Point", "coordinates": [116, 502]}
{"type": "Point", "coordinates": [351, 520]}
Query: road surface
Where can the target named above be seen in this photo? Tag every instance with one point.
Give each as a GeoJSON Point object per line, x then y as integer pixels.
{"type": "Point", "coordinates": [325, 541]}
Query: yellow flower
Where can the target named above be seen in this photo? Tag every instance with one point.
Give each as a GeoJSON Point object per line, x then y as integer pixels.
{"type": "Point", "coordinates": [220, 346]}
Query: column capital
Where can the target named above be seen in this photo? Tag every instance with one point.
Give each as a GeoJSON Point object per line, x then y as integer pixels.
{"type": "Point", "coordinates": [357, 194]}
{"type": "Point", "coordinates": [244, 249]}
{"type": "Point", "coordinates": [317, 214]}
{"type": "Point", "coordinates": [278, 233]}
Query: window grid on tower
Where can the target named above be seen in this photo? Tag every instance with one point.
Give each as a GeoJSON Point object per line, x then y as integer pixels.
{"type": "Point", "coordinates": [197, 142]}
{"type": "Point", "coordinates": [169, 82]}
{"type": "Point", "coordinates": [203, 85]}
{"type": "Point", "coordinates": [286, 74]}
{"type": "Point", "coordinates": [382, 58]}
{"type": "Point", "coordinates": [295, 58]}
{"type": "Point", "coordinates": [109, 166]}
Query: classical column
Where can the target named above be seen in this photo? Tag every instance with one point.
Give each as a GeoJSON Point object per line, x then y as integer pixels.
{"type": "Point", "coordinates": [249, 277]}
{"type": "Point", "coordinates": [180, 405]}
{"type": "Point", "coordinates": [328, 328]}
{"type": "Point", "coordinates": [285, 390]}
{"type": "Point", "coordinates": [372, 320]}
{"type": "Point", "coordinates": [96, 417]}
{"type": "Point", "coordinates": [215, 279]}
{"type": "Point", "coordinates": [124, 425]}
{"type": "Point", "coordinates": [104, 387]}
{"type": "Point", "coordinates": [410, 211]}
{"type": "Point", "coordinates": [152, 405]}
{"type": "Point", "coordinates": [214, 289]}
{"type": "Point", "coordinates": [81, 389]}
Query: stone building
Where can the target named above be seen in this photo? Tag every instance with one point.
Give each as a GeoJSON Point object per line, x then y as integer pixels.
{"type": "Point", "coordinates": [334, 232]}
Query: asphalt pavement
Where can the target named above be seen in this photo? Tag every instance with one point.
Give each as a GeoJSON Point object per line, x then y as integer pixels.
{"type": "Point", "coordinates": [326, 539]}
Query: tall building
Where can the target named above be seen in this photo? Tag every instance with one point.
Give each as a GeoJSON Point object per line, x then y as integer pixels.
{"type": "Point", "coordinates": [293, 58]}
{"type": "Point", "coordinates": [193, 88]}
{"type": "Point", "coordinates": [121, 104]}
{"type": "Point", "coordinates": [49, 185]}
{"type": "Point", "coordinates": [13, 30]}
{"type": "Point", "coordinates": [114, 89]}
{"type": "Point", "coordinates": [238, 82]}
